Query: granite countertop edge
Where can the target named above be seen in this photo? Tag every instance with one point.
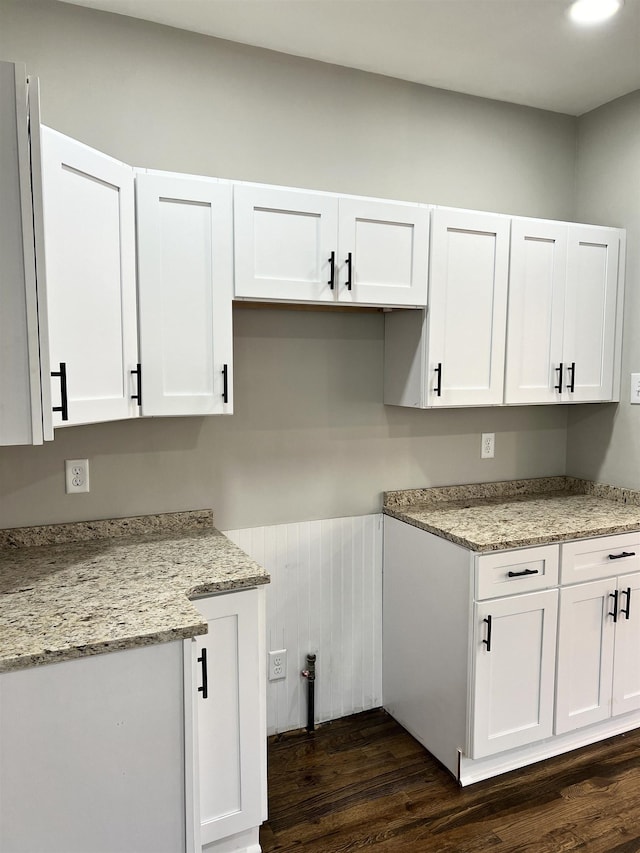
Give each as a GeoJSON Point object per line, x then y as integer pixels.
{"type": "Point", "coordinates": [75, 590]}
{"type": "Point", "coordinates": [465, 514]}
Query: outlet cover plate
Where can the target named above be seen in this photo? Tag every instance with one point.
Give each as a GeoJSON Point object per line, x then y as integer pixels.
{"type": "Point", "coordinates": [76, 472]}
{"type": "Point", "coordinates": [277, 665]}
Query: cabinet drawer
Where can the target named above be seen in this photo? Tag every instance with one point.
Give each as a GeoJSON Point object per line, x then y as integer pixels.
{"type": "Point", "coordinates": [591, 559]}
{"type": "Point", "coordinates": [511, 572]}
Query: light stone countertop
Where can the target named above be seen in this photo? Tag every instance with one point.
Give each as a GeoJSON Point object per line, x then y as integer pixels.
{"type": "Point", "coordinates": [115, 585]}
{"type": "Point", "coordinates": [518, 513]}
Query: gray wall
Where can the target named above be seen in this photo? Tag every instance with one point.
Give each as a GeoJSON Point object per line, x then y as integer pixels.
{"type": "Point", "coordinates": [604, 441]}
{"type": "Point", "coordinates": [310, 437]}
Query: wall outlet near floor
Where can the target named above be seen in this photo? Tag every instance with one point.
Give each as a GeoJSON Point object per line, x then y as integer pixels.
{"type": "Point", "coordinates": [277, 665]}
{"type": "Point", "coordinates": [635, 388]}
{"type": "Point", "coordinates": [488, 447]}
{"type": "Point", "coordinates": [76, 475]}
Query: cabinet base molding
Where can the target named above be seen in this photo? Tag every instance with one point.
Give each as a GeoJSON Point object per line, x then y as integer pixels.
{"type": "Point", "coordinates": [241, 842]}
{"type": "Point", "coordinates": [470, 771]}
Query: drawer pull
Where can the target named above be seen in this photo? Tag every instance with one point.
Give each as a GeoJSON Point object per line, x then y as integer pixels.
{"type": "Point", "coordinates": [620, 556]}
{"type": "Point", "coordinates": [522, 573]}
{"type": "Point", "coordinates": [487, 642]}
{"type": "Point", "coordinates": [614, 595]}
{"type": "Point", "coordinates": [627, 610]}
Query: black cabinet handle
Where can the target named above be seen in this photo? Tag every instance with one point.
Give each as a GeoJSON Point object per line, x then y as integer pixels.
{"type": "Point", "coordinates": [138, 396]}
{"type": "Point", "coordinates": [522, 573]}
{"type": "Point", "coordinates": [438, 389]}
{"type": "Point", "coordinates": [626, 610]}
{"type": "Point", "coordinates": [349, 263]}
{"type": "Point", "coordinates": [614, 595]}
{"type": "Point", "coordinates": [225, 384]}
{"type": "Point", "coordinates": [204, 688]}
{"type": "Point", "coordinates": [558, 387]}
{"type": "Point", "coordinates": [487, 642]}
{"type": "Point", "coordinates": [63, 408]}
{"type": "Point", "coordinates": [620, 556]}
{"type": "Point", "coordinates": [332, 266]}
{"type": "Point", "coordinates": [571, 386]}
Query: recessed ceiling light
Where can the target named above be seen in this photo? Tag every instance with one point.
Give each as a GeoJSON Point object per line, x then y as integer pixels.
{"type": "Point", "coordinates": [593, 11]}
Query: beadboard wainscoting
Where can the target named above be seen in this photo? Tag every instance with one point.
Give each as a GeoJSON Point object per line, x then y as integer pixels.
{"type": "Point", "coordinates": [325, 597]}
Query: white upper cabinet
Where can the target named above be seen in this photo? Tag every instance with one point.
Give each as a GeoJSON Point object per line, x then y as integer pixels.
{"type": "Point", "coordinates": [285, 244]}
{"type": "Point", "coordinates": [383, 253]}
{"type": "Point", "coordinates": [309, 247]}
{"type": "Point", "coordinates": [536, 308]}
{"type": "Point", "coordinates": [563, 299]}
{"type": "Point", "coordinates": [24, 414]}
{"type": "Point", "coordinates": [467, 309]}
{"type": "Point", "coordinates": [590, 313]}
{"type": "Point", "coordinates": [185, 289]}
{"type": "Point", "coordinates": [90, 253]}
{"type": "Point", "coordinates": [453, 353]}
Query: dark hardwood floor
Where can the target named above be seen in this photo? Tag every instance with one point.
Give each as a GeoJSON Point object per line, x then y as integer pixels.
{"type": "Point", "coordinates": [364, 784]}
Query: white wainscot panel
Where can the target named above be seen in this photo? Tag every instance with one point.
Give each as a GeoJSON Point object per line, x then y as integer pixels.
{"type": "Point", "coordinates": [325, 598]}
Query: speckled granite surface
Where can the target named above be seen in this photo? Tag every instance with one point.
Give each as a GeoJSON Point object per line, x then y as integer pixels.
{"type": "Point", "coordinates": [518, 513]}
{"type": "Point", "coordinates": [87, 596]}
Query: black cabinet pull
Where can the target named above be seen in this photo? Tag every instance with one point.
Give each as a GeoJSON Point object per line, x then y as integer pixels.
{"type": "Point", "coordinates": [487, 642]}
{"type": "Point", "coordinates": [626, 610]}
{"type": "Point", "coordinates": [571, 386]}
{"type": "Point", "coordinates": [522, 573]}
{"type": "Point", "coordinates": [332, 266]}
{"type": "Point", "coordinates": [138, 396]}
{"type": "Point", "coordinates": [204, 688]}
{"type": "Point", "coordinates": [614, 595]}
{"type": "Point", "coordinates": [349, 263]}
{"type": "Point", "coordinates": [438, 389]}
{"type": "Point", "coordinates": [620, 556]}
{"type": "Point", "coordinates": [63, 408]}
{"type": "Point", "coordinates": [225, 384]}
{"type": "Point", "coordinates": [558, 387]}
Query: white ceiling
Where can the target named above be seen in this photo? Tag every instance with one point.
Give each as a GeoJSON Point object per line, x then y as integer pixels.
{"type": "Point", "coordinates": [522, 51]}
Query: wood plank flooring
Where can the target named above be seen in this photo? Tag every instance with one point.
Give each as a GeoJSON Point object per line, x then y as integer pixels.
{"type": "Point", "coordinates": [364, 784]}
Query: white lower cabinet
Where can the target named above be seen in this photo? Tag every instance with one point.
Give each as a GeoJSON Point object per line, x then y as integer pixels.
{"type": "Point", "coordinates": [158, 749]}
{"type": "Point", "coordinates": [92, 754]}
{"type": "Point", "coordinates": [514, 671]}
{"type": "Point", "coordinates": [599, 634]}
{"type": "Point", "coordinates": [226, 723]}
{"type": "Point", "coordinates": [494, 661]}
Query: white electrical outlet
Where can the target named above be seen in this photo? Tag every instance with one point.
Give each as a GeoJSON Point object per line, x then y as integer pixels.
{"type": "Point", "coordinates": [76, 475]}
{"type": "Point", "coordinates": [277, 665]}
{"type": "Point", "coordinates": [488, 447]}
{"type": "Point", "coordinates": [635, 388]}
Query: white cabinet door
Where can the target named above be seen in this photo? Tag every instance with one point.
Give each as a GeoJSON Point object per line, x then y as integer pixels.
{"type": "Point", "coordinates": [24, 358]}
{"type": "Point", "coordinates": [230, 733]}
{"type": "Point", "coordinates": [626, 665]}
{"type": "Point", "coordinates": [90, 255]}
{"type": "Point", "coordinates": [467, 308]}
{"type": "Point", "coordinates": [585, 654]}
{"type": "Point", "coordinates": [185, 289]}
{"type": "Point", "coordinates": [515, 644]}
{"type": "Point", "coordinates": [383, 253]}
{"type": "Point", "coordinates": [590, 313]}
{"type": "Point", "coordinates": [285, 244]}
{"type": "Point", "coordinates": [534, 370]}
